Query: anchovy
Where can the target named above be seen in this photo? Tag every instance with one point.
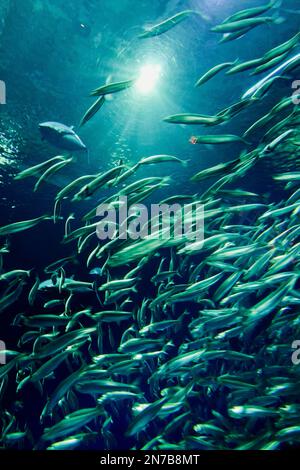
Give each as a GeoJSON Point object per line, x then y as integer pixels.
{"type": "Point", "coordinates": [212, 72]}
{"type": "Point", "coordinates": [168, 24]}
{"type": "Point", "coordinates": [21, 226]}
{"type": "Point", "coordinates": [111, 88]}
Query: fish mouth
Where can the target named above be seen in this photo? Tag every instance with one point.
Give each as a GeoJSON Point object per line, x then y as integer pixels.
{"type": "Point", "coordinates": [43, 125]}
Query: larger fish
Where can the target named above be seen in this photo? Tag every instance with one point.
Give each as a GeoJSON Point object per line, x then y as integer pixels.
{"type": "Point", "coordinates": [61, 136]}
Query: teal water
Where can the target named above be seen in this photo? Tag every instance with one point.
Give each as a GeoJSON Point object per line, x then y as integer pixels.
{"type": "Point", "coordinates": [53, 54]}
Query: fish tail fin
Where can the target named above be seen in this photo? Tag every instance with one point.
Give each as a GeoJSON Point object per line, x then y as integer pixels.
{"type": "Point", "coordinates": [232, 64]}
{"type": "Point", "coordinates": [277, 3]}
{"type": "Point", "coordinates": [223, 39]}
{"type": "Point", "coordinates": [33, 273]}
{"type": "Point", "coordinates": [22, 383]}
{"type": "Point", "coordinates": [95, 289]}
{"type": "Point", "coordinates": [204, 16]}
{"type": "Point", "coordinates": [246, 133]}
{"type": "Point", "coordinates": [18, 319]}
{"type": "Point", "coordinates": [56, 210]}
{"type": "Point", "coordinates": [51, 217]}
{"type": "Point", "coordinates": [277, 19]}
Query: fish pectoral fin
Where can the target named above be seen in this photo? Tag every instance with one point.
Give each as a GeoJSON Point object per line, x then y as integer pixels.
{"type": "Point", "coordinates": [38, 386]}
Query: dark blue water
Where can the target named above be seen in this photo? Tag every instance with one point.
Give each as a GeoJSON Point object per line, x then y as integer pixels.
{"type": "Point", "coordinates": [53, 53]}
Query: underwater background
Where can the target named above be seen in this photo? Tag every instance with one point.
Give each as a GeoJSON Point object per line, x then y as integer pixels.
{"type": "Point", "coordinates": [220, 374]}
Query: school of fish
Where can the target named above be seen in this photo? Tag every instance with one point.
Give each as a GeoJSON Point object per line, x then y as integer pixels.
{"type": "Point", "coordinates": [166, 343]}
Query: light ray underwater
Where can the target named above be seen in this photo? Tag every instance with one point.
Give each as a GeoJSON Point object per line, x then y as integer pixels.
{"type": "Point", "coordinates": [150, 225]}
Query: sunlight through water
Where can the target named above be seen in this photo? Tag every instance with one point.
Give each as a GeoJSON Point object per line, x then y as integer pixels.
{"type": "Point", "coordinates": [148, 78]}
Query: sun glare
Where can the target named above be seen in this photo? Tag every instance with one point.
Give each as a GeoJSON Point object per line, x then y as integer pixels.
{"type": "Point", "coordinates": [148, 78]}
